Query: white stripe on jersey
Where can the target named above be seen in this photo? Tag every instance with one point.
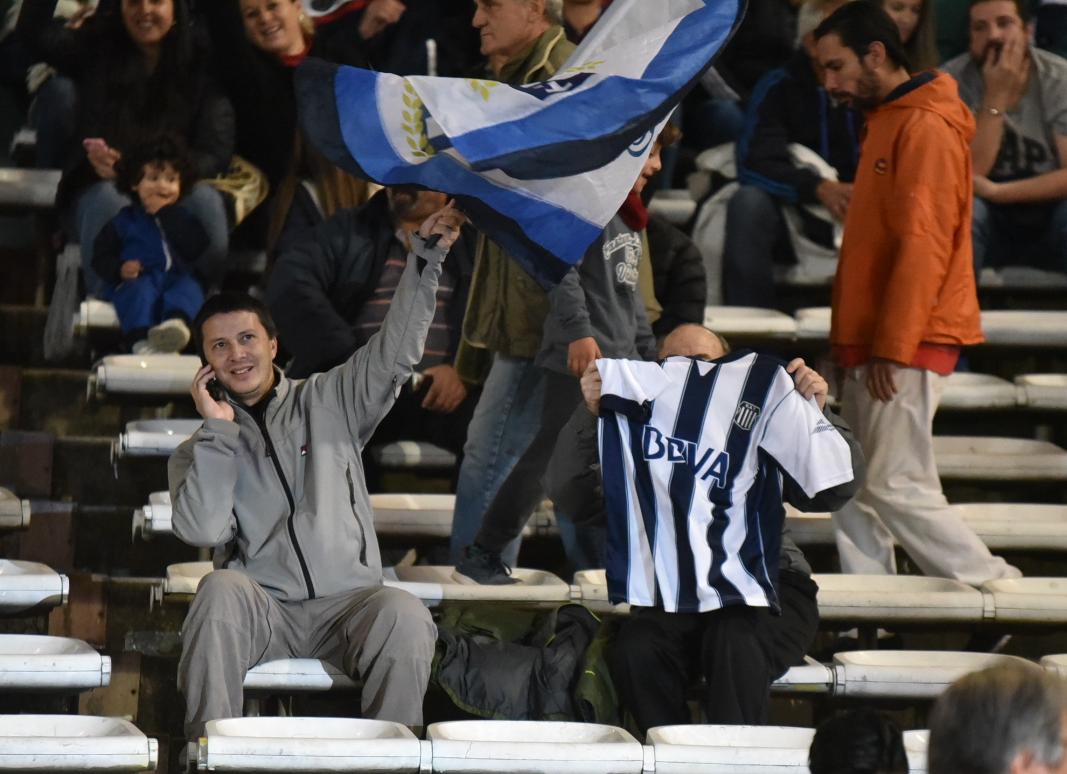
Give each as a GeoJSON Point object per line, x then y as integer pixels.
{"type": "Point", "coordinates": [691, 435]}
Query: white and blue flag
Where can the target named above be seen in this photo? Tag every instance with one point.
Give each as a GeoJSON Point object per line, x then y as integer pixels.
{"type": "Point", "coordinates": [540, 168]}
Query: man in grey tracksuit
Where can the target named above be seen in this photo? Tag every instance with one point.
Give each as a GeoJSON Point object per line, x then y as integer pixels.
{"type": "Point", "coordinates": [274, 482]}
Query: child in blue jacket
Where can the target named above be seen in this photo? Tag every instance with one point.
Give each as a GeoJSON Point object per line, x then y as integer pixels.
{"type": "Point", "coordinates": [148, 250]}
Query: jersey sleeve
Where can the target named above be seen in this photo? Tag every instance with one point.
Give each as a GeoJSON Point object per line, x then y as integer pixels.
{"type": "Point", "coordinates": [628, 386]}
{"type": "Point", "coordinates": [803, 443]}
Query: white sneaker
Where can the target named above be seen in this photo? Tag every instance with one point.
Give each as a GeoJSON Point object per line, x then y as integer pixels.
{"type": "Point", "coordinates": [170, 336]}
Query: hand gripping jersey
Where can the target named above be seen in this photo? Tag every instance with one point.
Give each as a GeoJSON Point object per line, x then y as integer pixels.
{"type": "Point", "coordinates": [693, 455]}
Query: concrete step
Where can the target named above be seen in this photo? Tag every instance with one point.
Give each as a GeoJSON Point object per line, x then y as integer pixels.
{"type": "Point", "coordinates": [83, 473]}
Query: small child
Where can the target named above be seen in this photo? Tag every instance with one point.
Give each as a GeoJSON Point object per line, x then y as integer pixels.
{"type": "Point", "coordinates": [147, 251]}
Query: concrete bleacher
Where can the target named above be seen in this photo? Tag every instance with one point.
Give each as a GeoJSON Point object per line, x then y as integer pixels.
{"type": "Point", "coordinates": [37, 663]}
{"type": "Point", "coordinates": [985, 459]}
{"type": "Point", "coordinates": [144, 375]}
{"type": "Point", "coordinates": [74, 743]}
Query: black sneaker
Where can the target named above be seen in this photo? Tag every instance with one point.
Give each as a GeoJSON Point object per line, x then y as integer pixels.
{"type": "Point", "coordinates": [482, 567]}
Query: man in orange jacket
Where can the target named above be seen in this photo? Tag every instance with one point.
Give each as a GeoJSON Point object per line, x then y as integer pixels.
{"type": "Point", "coordinates": [904, 299]}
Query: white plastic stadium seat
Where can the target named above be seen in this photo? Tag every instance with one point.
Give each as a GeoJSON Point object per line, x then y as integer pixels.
{"type": "Point", "coordinates": [730, 749]}
{"type": "Point", "coordinates": [308, 744]}
{"type": "Point", "coordinates": [1017, 526]}
{"type": "Point", "coordinates": [296, 675]}
{"type": "Point", "coordinates": [908, 674]}
{"type": "Point", "coordinates": [1044, 391]}
{"type": "Point", "coordinates": [144, 374]}
{"type": "Point", "coordinates": [810, 677]}
{"type": "Point", "coordinates": [154, 437]}
{"type": "Point", "coordinates": [1056, 663]}
{"type": "Point", "coordinates": [676, 206]}
{"type": "Point", "coordinates": [1001, 526]}
{"type": "Point", "coordinates": [591, 589]}
{"type": "Point", "coordinates": [999, 459]}
{"type": "Point", "coordinates": [1025, 329]}
{"type": "Point", "coordinates": [74, 743]}
{"type": "Point", "coordinates": [897, 598]}
{"type": "Point", "coordinates": [96, 314]}
{"type": "Point", "coordinates": [749, 321]}
{"type": "Point", "coordinates": [915, 744]}
{"type": "Point", "coordinates": [14, 513]}
{"type": "Point", "coordinates": [813, 323]}
{"type": "Point", "coordinates": [490, 746]}
{"type": "Point", "coordinates": [1029, 600]}
{"type": "Point", "coordinates": [154, 517]}
{"type": "Point", "coordinates": [437, 584]}
{"type": "Point", "coordinates": [413, 455]}
{"type": "Point", "coordinates": [30, 662]}
{"type": "Point", "coordinates": [28, 585]}
{"type": "Point", "coordinates": [422, 515]}
{"type": "Point", "coordinates": [183, 578]}
{"type": "Point", "coordinates": [28, 188]}
{"type": "Point", "coordinates": [964, 391]}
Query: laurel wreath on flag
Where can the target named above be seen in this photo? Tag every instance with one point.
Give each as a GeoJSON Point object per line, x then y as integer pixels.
{"type": "Point", "coordinates": [414, 126]}
{"type": "Point", "coordinates": [482, 87]}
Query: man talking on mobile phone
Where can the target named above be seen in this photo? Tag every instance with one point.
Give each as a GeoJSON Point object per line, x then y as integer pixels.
{"type": "Point", "coordinates": [274, 482]}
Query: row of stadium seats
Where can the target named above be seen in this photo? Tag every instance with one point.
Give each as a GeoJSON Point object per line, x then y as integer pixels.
{"type": "Point", "coordinates": [1001, 328]}
{"type": "Point", "coordinates": [147, 375]}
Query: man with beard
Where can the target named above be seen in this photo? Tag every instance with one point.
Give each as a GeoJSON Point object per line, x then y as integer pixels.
{"type": "Point", "coordinates": [1018, 94]}
{"type": "Point", "coordinates": [904, 299]}
{"type": "Point", "coordinates": [330, 293]}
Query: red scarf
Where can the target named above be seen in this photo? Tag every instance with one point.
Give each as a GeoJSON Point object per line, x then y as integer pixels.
{"type": "Point", "coordinates": [634, 212]}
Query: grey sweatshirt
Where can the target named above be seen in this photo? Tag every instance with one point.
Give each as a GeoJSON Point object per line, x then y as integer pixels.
{"type": "Point", "coordinates": [284, 498]}
{"type": "Point", "coordinates": [600, 298]}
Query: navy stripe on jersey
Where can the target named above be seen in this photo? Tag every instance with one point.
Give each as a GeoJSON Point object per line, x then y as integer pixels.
{"type": "Point", "coordinates": [645, 488]}
{"type": "Point", "coordinates": [689, 426]}
{"type": "Point", "coordinates": [617, 554]}
{"type": "Point", "coordinates": [763, 517]}
{"type": "Point", "coordinates": [758, 383]}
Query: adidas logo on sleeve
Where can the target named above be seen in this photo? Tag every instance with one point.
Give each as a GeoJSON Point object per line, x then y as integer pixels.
{"type": "Point", "coordinates": [693, 455]}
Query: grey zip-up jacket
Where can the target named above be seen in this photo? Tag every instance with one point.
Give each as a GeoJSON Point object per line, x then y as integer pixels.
{"type": "Point", "coordinates": [286, 501]}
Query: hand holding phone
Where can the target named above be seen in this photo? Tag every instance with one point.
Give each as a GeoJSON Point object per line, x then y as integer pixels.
{"type": "Point", "coordinates": [210, 396]}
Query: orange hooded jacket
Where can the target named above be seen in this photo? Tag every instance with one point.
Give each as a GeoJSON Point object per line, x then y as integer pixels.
{"type": "Point", "coordinates": [905, 288]}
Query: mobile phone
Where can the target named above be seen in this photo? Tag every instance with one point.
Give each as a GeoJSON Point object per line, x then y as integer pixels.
{"type": "Point", "coordinates": [216, 390]}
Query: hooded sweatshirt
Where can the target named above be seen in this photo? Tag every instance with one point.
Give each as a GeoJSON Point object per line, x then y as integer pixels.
{"type": "Point", "coordinates": [905, 288]}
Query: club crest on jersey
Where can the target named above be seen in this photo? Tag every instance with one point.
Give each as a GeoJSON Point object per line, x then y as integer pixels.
{"type": "Point", "coordinates": [746, 416]}
{"type": "Point", "coordinates": [657, 446]}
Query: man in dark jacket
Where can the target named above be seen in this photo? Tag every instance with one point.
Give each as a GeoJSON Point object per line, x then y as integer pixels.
{"type": "Point", "coordinates": [788, 105]}
{"type": "Point", "coordinates": [677, 276]}
{"type": "Point", "coordinates": [329, 295]}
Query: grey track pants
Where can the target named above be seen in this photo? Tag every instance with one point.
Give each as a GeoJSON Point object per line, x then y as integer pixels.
{"type": "Point", "coordinates": [383, 636]}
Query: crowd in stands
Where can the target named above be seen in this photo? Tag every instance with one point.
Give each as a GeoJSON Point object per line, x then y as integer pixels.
{"type": "Point", "coordinates": [175, 123]}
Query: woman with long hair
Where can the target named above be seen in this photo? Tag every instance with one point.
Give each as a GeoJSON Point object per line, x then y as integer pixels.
{"type": "Point", "coordinates": [139, 71]}
{"type": "Point", "coordinates": [918, 31]}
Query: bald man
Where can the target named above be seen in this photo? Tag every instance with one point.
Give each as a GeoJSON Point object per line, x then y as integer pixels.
{"type": "Point", "coordinates": [741, 650]}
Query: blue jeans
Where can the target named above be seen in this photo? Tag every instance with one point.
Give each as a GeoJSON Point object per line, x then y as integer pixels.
{"type": "Point", "coordinates": [54, 115]}
{"type": "Point", "coordinates": [755, 234]}
{"type": "Point", "coordinates": [1032, 235]}
{"type": "Point", "coordinates": [102, 201]}
{"type": "Point", "coordinates": [504, 424]}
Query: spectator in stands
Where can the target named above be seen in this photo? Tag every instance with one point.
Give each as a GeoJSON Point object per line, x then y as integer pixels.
{"type": "Point", "coordinates": [765, 39]}
{"type": "Point", "coordinates": [1007, 719]}
{"type": "Point", "coordinates": [677, 272]}
{"type": "Point", "coordinates": [506, 312]}
{"type": "Point", "coordinates": [140, 70]}
{"type": "Point", "coordinates": [915, 20]}
{"type": "Point", "coordinates": [1018, 94]}
{"type": "Point", "coordinates": [579, 16]}
{"type": "Point", "coordinates": [147, 251]}
{"type": "Point", "coordinates": [597, 310]}
{"type": "Point", "coordinates": [789, 106]}
{"type": "Point", "coordinates": [858, 741]}
{"type": "Point", "coordinates": [740, 650]}
{"type": "Point", "coordinates": [330, 292]}
{"type": "Point", "coordinates": [904, 299]}
{"type": "Point", "coordinates": [274, 483]}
